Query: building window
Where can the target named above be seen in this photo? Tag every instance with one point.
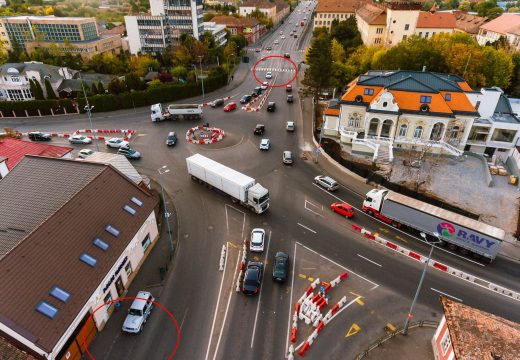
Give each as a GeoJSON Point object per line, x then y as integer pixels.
{"type": "Point", "coordinates": [146, 242]}
{"type": "Point", "coordinates": [418, 132]}
{"type": "Point", "coordinates": [402, 130]}
{"type": "Point", "coordinates": [406, 27]}
{"type": "Point", "coordinates": [504, 135]}
{"type": "Point", "coordinates": [47, 309]}
{"type": "Point", "coordinates": [368, 91]}
{"type": "Point", "coordinates": [426, 99]}
{"type": "Point", "coordinates": [128, 269]}
{"type": "Point", "coordinates": [60, 294]}
{"type": "Point", "coordinates": [112, 230]}
{"type": "Point", "coordinates": [404, 37]}
{"type": "Point", "coordinates": [426, 34]}
{"type": "Point", "coordinates": [379, 30]}
{"type": "Point", "coordinates": [15, 78]}
{"type": "Point", "coordinates": [108, 300]}
{"type": "Point", "coordinates": [447, 97]}
{"type": "Point", "coordinates": [477, 105]}
{"type": "Point", "coordinates": [353, 121]}
{"type": "Point", "coordinates": [454, 134]}
{"type": "Point", "coordinates": [420, 33]}
{"type": "Point", "coordinates": [377, 41]}
{"type": "Point", "coordinates": [446, 342]}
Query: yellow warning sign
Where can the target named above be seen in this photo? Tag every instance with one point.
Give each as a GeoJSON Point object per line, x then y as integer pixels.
{"type": "Point", "coordinates": [353, 330]}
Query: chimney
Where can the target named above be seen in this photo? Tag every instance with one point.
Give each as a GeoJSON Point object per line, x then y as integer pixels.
{"type": "Point", "coordinates": [424, 68]}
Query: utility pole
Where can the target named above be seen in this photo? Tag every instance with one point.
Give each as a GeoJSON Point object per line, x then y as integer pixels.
{"type": "Point", "coordinates": [88, 108]}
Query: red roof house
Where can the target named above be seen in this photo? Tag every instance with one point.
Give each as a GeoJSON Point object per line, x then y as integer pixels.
{"type": "Point", "coordinates": [15, 150]}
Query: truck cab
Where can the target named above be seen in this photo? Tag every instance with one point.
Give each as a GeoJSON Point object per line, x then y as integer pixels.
{"type": "Point", "coordinates": [157, 112]}
{"type": "Point", "coordinates": [258, 198]}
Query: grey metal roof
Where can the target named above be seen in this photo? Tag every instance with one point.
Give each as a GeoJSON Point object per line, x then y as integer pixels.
{"type": "Point", "coordinates": [43, 69]}
{"type": "Point", "coordinates": [505, 118]}
{"type": "Point", "coordinates": [119, 162]}
{"type": "Point", "coordinates": [32, 192]}
{"type": "Point", "coordinates": [503, 105]}
{"type": "Point", "coordinates": [436, 81]}
{"type": "Point", "coordinates": [410, 84]}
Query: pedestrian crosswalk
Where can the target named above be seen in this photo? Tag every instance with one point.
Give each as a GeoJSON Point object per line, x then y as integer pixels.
{"type": "Point", "coordinates": [275, 69]}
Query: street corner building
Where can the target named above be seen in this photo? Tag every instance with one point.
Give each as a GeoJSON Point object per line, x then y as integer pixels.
{"type": "Point", "coordinates": [472, 334]}
{"type": "Point", "coordinates": [73, 234]}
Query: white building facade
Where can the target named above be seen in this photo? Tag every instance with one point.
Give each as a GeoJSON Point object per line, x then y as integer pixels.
{"type": "Point", "coordinates": [218, 31]}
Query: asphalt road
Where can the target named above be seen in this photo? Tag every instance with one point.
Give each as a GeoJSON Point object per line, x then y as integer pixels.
{"type": "Point", "coordinates": [298, 220]}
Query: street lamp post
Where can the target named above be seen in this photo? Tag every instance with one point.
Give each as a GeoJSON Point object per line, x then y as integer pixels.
{"type": "Point", "coordinates": [132, 98]}
{"type": "Point", "coordinates": [425, 270]}
{"type": "Point", "coordinates": [163, 170]}
{"type": "Point", "coordinates": [88, 108]}
{"type": "Point", "coordinates": [201, 75]}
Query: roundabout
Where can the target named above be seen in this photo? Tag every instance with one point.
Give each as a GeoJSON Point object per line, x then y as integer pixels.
{"type": "Point", "coordinates": [204, 135]}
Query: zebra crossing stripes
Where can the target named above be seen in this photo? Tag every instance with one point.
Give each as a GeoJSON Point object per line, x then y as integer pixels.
{"type": "Point", "coordinates": [277, 70]}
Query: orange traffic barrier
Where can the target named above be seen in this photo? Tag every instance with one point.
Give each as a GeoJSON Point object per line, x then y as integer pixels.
{"type": "Point", "coordinates": [305, 347]}
{"type": "Point", "coordinates": [293, 334]}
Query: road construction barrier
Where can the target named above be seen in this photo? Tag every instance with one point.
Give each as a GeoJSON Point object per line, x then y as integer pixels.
{"type": "Point", "coordinates": [290, 355]}
{"type": "Point", "coordinates": [356, 227]}
{"type": "Point", "coordinates": [222, 258]}
{"type": "Point", "coordinates": [239, 278]}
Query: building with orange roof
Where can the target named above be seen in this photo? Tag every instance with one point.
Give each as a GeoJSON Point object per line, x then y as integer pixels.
{"type": "Point", "coordinates": [328, 10]}
{"type": "Point", "coordinates": [469, 333]}
{"type": "Point", "coordinates": [383, 110]}
{"type": "Point", "coordinates": [506, 25]}
{"type": "Point", "coordinates": [468, 23]}
{"type": "Point", "coordinates": [432, 22]}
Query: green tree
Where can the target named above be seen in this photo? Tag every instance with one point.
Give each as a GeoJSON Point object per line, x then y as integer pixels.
{"type": "Point", "coordinates": [100, 88]}
{"type": "Point", "coordinates": [514, 88]}
{"type": "Point", "coordinates": [497, 67]}
{"type": "Point", "coordinates": [347, 34]}
{"type": "Point", "coordinates": [320, 32]}
{"type": "Point", "coordinates": [133, 82]}
{"type": "Point", "coordinates": [337, 51]}
{"type": "Point", "coordinates": [49, 90]}
{"type": "Point", "coordinates": [179, 72]}
{"type": "Point", "coordinates": [240, 41]}
{"type": "Point", "coordinates": [495, 12]}
{"type": "Point", "coordinates": [319, 59]}
{"type": "Point", "coordinates": [182, 56]}
{"type": "Point", "coordinates": [36, 89]}
{"type": "Point", "coordinates": [115, 86]}
{"type": "Point", "coordinates": [483, 7]}
{"type": "Point", "coordinates": [464, 6]}
{"type": "Point", "coordinates": [94, 89]}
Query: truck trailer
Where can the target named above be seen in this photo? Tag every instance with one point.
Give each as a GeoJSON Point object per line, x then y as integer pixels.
{"type": "Point", "coordinates": [457, 231]}
{"type": "Point", "coordinates": [176, 112]}
{"type": "Point", "coordinates": [241, 188]}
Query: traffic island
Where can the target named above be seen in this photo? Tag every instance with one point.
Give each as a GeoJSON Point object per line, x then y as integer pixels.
{"type": "Point", "coordinates": [204, 135]}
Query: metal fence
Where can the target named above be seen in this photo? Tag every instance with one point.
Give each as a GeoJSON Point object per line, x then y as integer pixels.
{"type": "Point", "coordinates": [382, 340]}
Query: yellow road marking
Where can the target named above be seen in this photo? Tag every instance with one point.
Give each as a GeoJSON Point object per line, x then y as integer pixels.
{"type": "Point", "coordinates": [354, 328]}
{"type": "Point", "coordinates": [232, 245]}
{"type": "Point", "coordinates": [376, 234]}
{"type": "Point", "coordinates": [391, 327]}
{"type": "Point", "coordinates": [400, 238]}
{"type": "Point", "coordinates": [141, 135]}
{"type": "Point", "coordinates": [360, 302]}
{"type": "Point", "coordinates": [311, 279]}
{"type": "Point", "coordinates": [302, 276]}
{"type": "Point", "coordinates": [353, 293]}
{"type": "Point", "coordinates": [384, 230]}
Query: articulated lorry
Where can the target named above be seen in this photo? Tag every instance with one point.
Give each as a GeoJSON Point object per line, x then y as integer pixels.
{"type": "Point", "coordinates": [241, 188]}
{"type": "Point", "coordinates": [176, 112]}
{"type": "Point", "coordinates": [457, 231]}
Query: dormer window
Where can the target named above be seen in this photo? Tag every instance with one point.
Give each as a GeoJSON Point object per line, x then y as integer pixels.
{"type": "Point", "coordinates": [15, 78]}
{"type": "Point", "coordinates": [447, 97]}
{"type": "Point", "coordinates": [426, 99]}
{"type": "Point", "coordinates": [368, 91]}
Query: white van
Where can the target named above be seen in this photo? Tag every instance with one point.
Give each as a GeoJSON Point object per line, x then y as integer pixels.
{"type": "Point", "coordinates": [139, 311]}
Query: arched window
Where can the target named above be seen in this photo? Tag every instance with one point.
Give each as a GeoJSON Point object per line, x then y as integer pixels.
{"type": "Point", "coordinates": [418, 132]}
{"type": "Point", "coordinates": [353, 121]}
{"type": "Point", "coordinates": [454, 134]}
{"type": "Point", "coordinates": [402, 130]}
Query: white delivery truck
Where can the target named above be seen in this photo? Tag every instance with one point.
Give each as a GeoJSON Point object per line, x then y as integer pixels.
{"type": "Point", "coordinates": [176, 112]}
{"type": "Point", "coordinates": [456, 231]}
{"type": "Point", "coordinates": [241, 188]}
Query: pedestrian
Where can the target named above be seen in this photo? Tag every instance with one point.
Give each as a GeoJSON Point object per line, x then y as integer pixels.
{"type": "Point", "coordinates": [231, 77]}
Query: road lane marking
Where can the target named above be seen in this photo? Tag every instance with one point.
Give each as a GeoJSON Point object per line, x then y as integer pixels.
{"type": "Point", "coordinates": [312, 211]}
{"type": "Point", "coordinates": [399, 230]}
{"type": "Point", "coordinates": [311, 279]}
{"type": "Point", "coordinates": [302, 276]}
{"type": "Point", "coordinates": [355, 294]}
{"type": "Point", "coordinates": [184, 317]}
{"type": "Point", "coordinates": [354, 329]}
{"type": "Point", "coordinates": [225, 314]}
{"type": "Point", "coordinates": [448, 295]}
{"type": "Point", "coordinates": [216, 307]}
{"type": "Point", "coordinates": [360, 302]}
{"type": "Point", "coordinates": [341, 266]}
{"type": "Point", "coordinates": [400, 238]}
{"type": "Point", "coordinates": [367, 259]}
{"type": "Point", "coordinates": [260, 295]}
{"type": "Point", "coordinates": [305, 227]}
{"type": "Point", "coordinates": [243, 218]}
{"type": "Point", "coordinates": [290, 300]}
{"type": "Point", "coordinates": [384, 230]}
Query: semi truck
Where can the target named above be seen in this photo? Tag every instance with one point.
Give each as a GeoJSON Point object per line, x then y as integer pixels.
{"type": "Point", "coordinates": [456, 231]}
{"type": "Point", "coordinates": [241, 188]}
{"type": "Point", "coordinates": [176, 112]}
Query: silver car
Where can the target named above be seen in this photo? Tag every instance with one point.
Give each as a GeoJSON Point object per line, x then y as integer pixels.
{"type": "Point", "coordinates": [326, 182]}
{"type": "Point", "coordinates": [138, 313]}
{"type": "Point", "coordinates": [287, 157]}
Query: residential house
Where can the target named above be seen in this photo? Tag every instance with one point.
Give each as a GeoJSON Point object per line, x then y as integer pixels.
{"type": "Point", "coordinates": [506, 25]}
{"type": "Point", "coordinates": [469, 333]}
{"type": "Point", "coordinates": [403, 109]}
{"type": "Point", "coordinates": [83, 251]}
{"type": "Point", "coordinates": [249, 27]}
{"type": "Point", "coordinates": [328, 10]}
{"type": "Point", "coordinates": [218, 31]}
{"type": "Point", "coordinates": [468, 23]}
{"type": "Point", "coordinates": [274, 11]}
{"type": "Point", "coordinates": [371, 22]}
{"type": "Point", "coordinates": [433, 22]}
{"type": "Point", "coordinates": [12, 151]}
{"type": "Point", "coordinates": [70, 35]}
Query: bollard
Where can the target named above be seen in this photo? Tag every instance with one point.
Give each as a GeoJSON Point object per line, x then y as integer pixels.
{"type": "Point", "coordinates": [304, 348]}
{"type": "Point", "coordinates": [293, 334]}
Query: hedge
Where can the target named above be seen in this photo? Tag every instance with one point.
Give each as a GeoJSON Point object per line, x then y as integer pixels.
{"type": "Point", "coordinates": [111, 102]}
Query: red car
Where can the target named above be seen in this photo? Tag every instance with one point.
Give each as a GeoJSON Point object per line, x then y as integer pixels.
{"type": "Point", "coordinates": [257, 49]}
{"type": "Point", "coordinates": [231, 106]}
{"type": "Point", "coordinates": [343, 209]}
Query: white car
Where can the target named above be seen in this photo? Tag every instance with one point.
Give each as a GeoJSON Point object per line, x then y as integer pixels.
{"type": "Point", "coordinates": [265, 144]}
{"type": "Point", "coordinates": [85, 153]}
{"type": "Point", "coordinates": [257, 240]}
{"type": "Point", "coordinates": [269, 75]}
{"type": "Point", "coordinates": [281, 32]}
{"type": "Point", "coordinates": [290, 126]}
{"type": "Point", "coordinates": [265, 85]}
{"type": "Point", "coordinates": [116, 143]}
{"type": "Point", "coordinates": [276, 42]}
{"type": "Point", "coordinates": [287, 157]}
{"type": "Point", "coordinates": [80, 139]}
{"type": "Point", "coordinates": [138, 313]}
{"type": "Point", "coordinates": [282, 37]}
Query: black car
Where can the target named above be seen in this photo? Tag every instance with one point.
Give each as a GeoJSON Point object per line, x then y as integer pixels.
{"type": "Point", "coordinates": [269, 48]}
{"type": "Point", "coordinates": [271, 106]}
{"type": "Point", "coordinates": [257, 90]}
{"type": "Point", "coordinates": [280, 266]}
{"type": "Point", "coordinates": [171, 139]}
{"type": "Point", "coordinates": [259, 129]}
{"type": "Point", "coordinates": [253, 278]}
{"type": "Point", "coordinates": [290, 98]}
{"type": "Point", "coordinates": [39, 136]}
{"type": "Point", "coordinates": [287, 55]}
{"type": "Point", "coordinates": [217, 103]}
{"type": "Point", "coordinates": [245, 99]}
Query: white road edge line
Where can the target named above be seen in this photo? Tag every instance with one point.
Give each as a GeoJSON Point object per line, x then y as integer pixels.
{"type": "Point", "coordinates": [240, 211]}
{"type": "Point", "coordinates": [184, 317]}
{"type": "Point", "coordinates": [367, 259]}
{"type": "Point", "coordinates": [305, 227]}
{"type": "Point", "coordinates": [341, 266]}
{"type": "Point", "coordinates": [312, 211]}
{"type": "Point", "coordinates": [216, 307]}
{"type": "Point", "coordinates": [260, 296]}
{"type": "Point", "coordinates": [448, 295]}
{"type": "Point", "coordinates": [225, 314]}
{"type": "Point", "coordinates": [399, 230]}
{"type": "Point", "coordinates": [290, 303]}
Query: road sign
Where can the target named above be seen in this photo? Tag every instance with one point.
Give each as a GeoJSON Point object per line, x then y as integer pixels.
{"type": "Point", "coordinates": [318, 151]}
{"type": "Point", "coordinates": [354, 328]}
{"type": "Point", "coordinates": [202, 76]}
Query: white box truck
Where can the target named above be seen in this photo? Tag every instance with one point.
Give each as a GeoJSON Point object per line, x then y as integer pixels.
{"type": "Point", "coordinates": [241, 188]}
{"type": "Point", "coordinates": [176, 112]}
{"type": "Point", "coordinates": [456, 231]}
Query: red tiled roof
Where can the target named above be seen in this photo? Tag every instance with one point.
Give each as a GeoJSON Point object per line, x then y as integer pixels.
{"type": "Point", "coordinates": [468, 23]}
{"type": "Point", "coordinates": [331, 112]}
{"type": "Point", "coordinates": [338, 6]}
{"type": "Point", "coordinates": [117, 30]}
{"type": "Point", "coordinates": [232, 21]}
{"type": "Point", "coordinates": [436, 20]}
{"type": "Point", "coordinates": [258, 4]}
{"type": "Point", "coordinates": [372, 14]}
{"type": "Point", "coordinates": [14, 150]}
{"type": "Point", "coordinates": [502, 24]}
